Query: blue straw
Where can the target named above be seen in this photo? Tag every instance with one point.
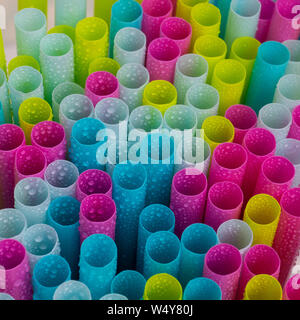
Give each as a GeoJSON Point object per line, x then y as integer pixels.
{"type": "Point", "coordinates": [72, 290]}
{"type": "Point", "coordinates": [2, 120]}
{"type": "Point", "coordinates": [224, 6]}
{"type": "Point", "coordinates": [202, 289]}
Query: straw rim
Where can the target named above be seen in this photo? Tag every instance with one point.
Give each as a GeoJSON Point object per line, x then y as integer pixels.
{"type": "Point", "coordinates": [241, 106]}
{"type": "Point", "coordinates": [234, 8]}
{"type": "Point", "coordinates": [130, 66]}
{"type": "Point", "coordinates": [167, 35]}
{"type": "Point", "coordinates": [23, 253]}
{"type": "Point", "coordinates": [49, 37]}
{"type": "Point", "coordinates": [28, 12]}
{"type": "Point", "coordinates": [21, 132]}
{"type": "Point", "coordinates": [17, 213]}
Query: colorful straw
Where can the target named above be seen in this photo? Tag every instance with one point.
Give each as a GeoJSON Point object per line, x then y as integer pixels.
{"type": "Point", "coordinates": [38, 4]}
{"type": "Point", "coordinates": [295, 127]}
{"type": "Point", "coordinates": [104, 64]}
{"type": "Point", "coordinates": [4, 97]}
{"type": "Point", "coordinates": [102, 9]}
{"type": "Point", "coordinates": [266, 12]}
{"type": "Point", "coordinates": [202, 289]}
{"type": "Point", "coordinates": [294, 63]}
{"type": "Point", "coordinates": [67, 30]}
{"type": "Point", "coordinates": [184, 8]}
{"type": "Point", "coordinates": [291, 290]}
{"type": "Point", "coordinates": [20, 61]}
{"type": "Point", "coordinates": [72, 290]}
{"type": "Point", "coordinates": [13, 224]}
{"type": "Point", "coordinates": [69, 12]}
{"type": "Point", "coordinates": [2, 55]}
{"type": "Point", "coordinates": [224, 7]}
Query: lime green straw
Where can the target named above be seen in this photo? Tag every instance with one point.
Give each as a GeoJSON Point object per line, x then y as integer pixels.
{"type": "Point", "coordinates": [67, 30]}
{"type": "Point", "coordinates": [20, 61]}
{"type": "Point", "coordinates": [38, 4]}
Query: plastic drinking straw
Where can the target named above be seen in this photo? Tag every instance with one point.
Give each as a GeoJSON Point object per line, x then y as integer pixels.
{"type": "Point", "coordinates": [262, 214]}
{"type": "Point", "coordinates": [67, 30]}
{"type": "Point", "coordinates": [20, 61]}
{"type": "Point", "coordinates": [32, 198]}
{"type": "Point", "coordinates": [104, 64]}
{"type": "Point", "coordinates": [266, 64]}
{"type": "Point", "coordinates": [163, 286]}
{"type": "Point", "coordinates": [243, 119]}
{"type": "Point", "coordinates": [2, 54]}
{"type": "Point", "coordinates": [73, 108]}
{"type": "Point", "coordinates": [11, 139]}
{"type": "Point", "coordinates": [4, 97]}
{"type": "Point", "coordinates": [202, 289]}
{"type": "Point", "coordinates": [290, 149]}
{"type": "Point", "coordinates": [217, 130]}
{"type": "Point", "coordinates": [13, 224]}
{"type": "Point", "coordinates": [114, 296]}
{"type": "Point", "coordinates": [38, 4]}
{"type": "Point", "coordinates": [69, 12]}
{"type": "Point", "coordinates": [57, 61]}
{"type": "Point", "coordinates": [129, 283]}
{"type": "Point", "coordinates": [263, 287]}
{"type": "Point", "coordinates": [5, 296]}
{"type": "Point", "coordinates": [72, 290]}
{"type": "Point", "coordinates": [61, 177]}
{"type": "Point", "coordinates": [295, 127]}
{"type": "Point", "coordinates": [31, 27]}
{"type": "Point", "coordinates": [160, 94]}
{"type": "Point", "coordinates": [291, 289]}
{"type": "Point", "coordinates": [213, 49]}
{"type": "Point", "coordinates": [48, 274]}
{"type": "Point", "coordinates": [14, 260]}
{"type": "Point", "coordinates": [224, 7]}
{"type": "Point", "coordinates": [191, 70]}
{"type": "Point", "coordinates": [29, 162]}
{"type": "Point", "coordinates": [102, 9]}
{"type": "Point", "coordinates": [63, 216]}
{"type": "Point", "coordinates": [2, 121]}
{"type": "Point", "coordinates": [162, 254]}
{"type": "Point", "coordinates": [260, 259]}
{"type": "Point", "coordinates": [266, 12]}
{"type": "Point", "coordinates": [260, 145]}
{"type": "Point", "coordinates": [184, 8]}
{"type": "Point", "coordinates": [294, 63]}
{"type": "Point", "coordinates": [23, 83]}
{"type": "Point", "coordinates": [129, 193]}
{"type": "Point", "coordinates": [91, 42]}
{"type": "Point", "coordinates": [31, 112]}
{"type": "Point", "coordinates": [40, 240]}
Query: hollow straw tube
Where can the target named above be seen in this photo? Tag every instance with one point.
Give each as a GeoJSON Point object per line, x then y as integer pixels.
{"type": "Point", "coordinates": [23, 83]}
{"type": "Point", "coordinates": [32, 198]}
{"type": "Point", "coordinates": [213, 49]}
{"type": "Point", "coordinates": [91, 42]}
{"type": "Point", "coordinates": [20, 61]}
{"type": "Point", "coordinates": [295, 127]}
{"type": "Point", "coordinates": [15, 266]}
{"type": "Point", "coordinates": [13, 224]}
{"type": "Point", "coordinates": [102, 9]}
{"type": "Point", "coordinates": [224, 7]}
{"type": "Point", "coordinates": [266, 64]}
{"type": "Point", "coordinates": [191, 69]}
{"type": "Point", "coordinates": [6, 296]}
{"type": "Point", "coordinates": [63, 216]}
{"type": "Point", "coordinates": [262, 214]}
{"type": "Point", "coordinates": [129, 283]}
{"type": "Point", "coordinates": [267, 9]}
{"type": "Point", "coordinates": [4, 97]}
{"type": "Point", "coordinates": [69, 12]}
{"type": "Point", "coordinates": [104, 64]}
{"type": "Point", "coordinates": [243, 119]}
{"type": "Point", "coordinates": [48, 274]}
{"type": "Point", "coordinates": [294, 63]}
{"type": "Point", "coordinates": [184, 8]}
{"type": "Point", "coordinates": [291, 289]}
{"type": "Point", "coordinates": [133, 79]}
{"type": "Point", "coordinates": [202, 289]}
{"type": "Point", "coordinates": [67, 30]}
{"type": "Point", "coordinates": [72, 290]}
{"type": "Point", "coordinates": [11, 139]}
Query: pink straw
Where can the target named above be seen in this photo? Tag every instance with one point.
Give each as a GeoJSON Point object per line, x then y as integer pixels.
{"type": "Point", "coordinates": [292, 288]}
{"type": "Point", "coordinates": [267, 9]}
{"type": "Point", "coordinates": [295, 127]}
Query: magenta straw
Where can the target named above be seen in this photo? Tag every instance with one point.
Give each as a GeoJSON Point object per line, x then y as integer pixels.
{"type": "Point", "coordinates": [224, 202]}
{"type": "Point", "coordinates": [267, 9]}
{"type": "Point", "coordinates": [223, 264]}
{"type": "Point", "coordinates": [295, 127]}
{"type": "Point", "coordinates": [14, 260]}
{"type": "Point", "coordinates": [49, 137]}
{"type": "Point", "coordinates": [11, 139]}
{"type": "Point", "coordinates": [292, 288]}
{"type": "Point", "coordinates": [161, 59]}
{"type": "Point", "coordinates": [100, 85]}
{"type": "Point", "coordinates": [287, 238]}
{"type": "Point", "coordinates": [93, 181]}
{"type": "Point", "coordinates": [188, 197]}
{"type": "Point", "coordinates": [260, 259]}
{"type": "Point", "coordinates": [228, 163]}
{"type": "Point", "coordinates": [97, 215]}
{"type": "Point", "coordinates": [243, 119]}
{"type": "Point", "coordinates": [178, 30]}
{"type": "Point", "coordinates": [154, 13]}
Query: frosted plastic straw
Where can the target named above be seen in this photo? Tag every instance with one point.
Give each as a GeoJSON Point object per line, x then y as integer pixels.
{"type": "Point", "coordinates": [20, 61]}
{"type": "Point", "coordinates": [130, 46]}
{"type": "Point", "coordinates": [224, 7]}
{"type": "Point", "coordinates": [23, 83]}
{"type": "Point", "coordinates": [196, 240]}
{"type": "Point", "coordinates": [294, 63]}
{"type": "Point", "coordinates": [97, 215]}
{"type": "Point", "coordinates": [14, 260]}
{"type": "Point", "coordinates": [4, 97]}
{"type": "Point", "coordinates": [276, 118]}
{"type": "Point", "coordinates": [184, 8]}
{"type": "Point", "coordinates": [61, 177]}
{"type": "Point", "coordinates": [63, 216]}
{"type": "Point", "coordinates": [163, 286]}
{"type": "Point", "coordinates": [69, 12]}
{"type": "Point", "coordinates": [2, 54]}
{"type": "Point", "coordinates": [263, 287]}
{"type": "Point", "coordinates": [188, 196]}
{"type": "Point", "coordinates": [57, 61]}
{"type": "Point", "coordinates": [242, 20]}
{"type": "Point", "coordinates": [102, 9]}
{"type": "Point", "coordinates": [32, 198]}
{"type": "Point", "coordinates": [38, 4]}
{"type": "Point", "coordinates": [202, 289]}
{"type": "Point", "coordinates": [260, 259]}
{"type": "Point", "coordinates": [98, 264]}
{"type": "Point", "coordinates": [129, 283]}
{"type": "Point", "coordinates": [104, 64]}
{"type": "Point", "coordinates": [29, 162]}
{"type": "Point", "coordinates": [154, 13]}
{"type": "Point", "coordinates": [40, 240]}
{"type": "Point", "coordinates": [267, 9]}
{"type": "Point", "coordinates": [91, 42]}
{"type": "Point", "coordinates": [67, 30]}
{"type": "Point", "coordinates": [162, 254]}
{"type": "Point", "coordinates": [73, 108]}
{"type": "Point", "coordinates": [125, 13]}
{"type": "Point", "coordinates": [290, 149]}
{"type": "Point", "coordinates": [287, 237]}
{"type": "Point", "coordinates": [12, 224]}
{"type": "Point", "coordinates": [129, 193]}
{"type": "Point", "coordinates": [5, 296]}
{"type": "Point", "coordinates": [237, 233]}
{"type": "Point", "coordinates": [295, 127]}
{"type": "Point", "coordinates": [48, 274]}
{"type": "Point", "coordinates": [191, 70]}
{"type": "Point", "coordinates": [213, 49]}
{"type": "Point", "coordinates": [11, 139]}
{"type": "Point", "coordinates": [153, 218]}
{"type": "Point", "coordinates": [223, 264]}
{"type": "Point", "coordinates": [262, 214]}
{"type": "Point", "coordinates": [243, 119]}
{"type": "Point", "coordinates": [114, 296]}
{"type": "Point", "coordinates": [268, 68]}
{"type": "Point", "coordinates": [72, 290]}
{"type": "Point", "coordinates": [291, 289]}
{"type": "Point", "coordinates": [133, 79]}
